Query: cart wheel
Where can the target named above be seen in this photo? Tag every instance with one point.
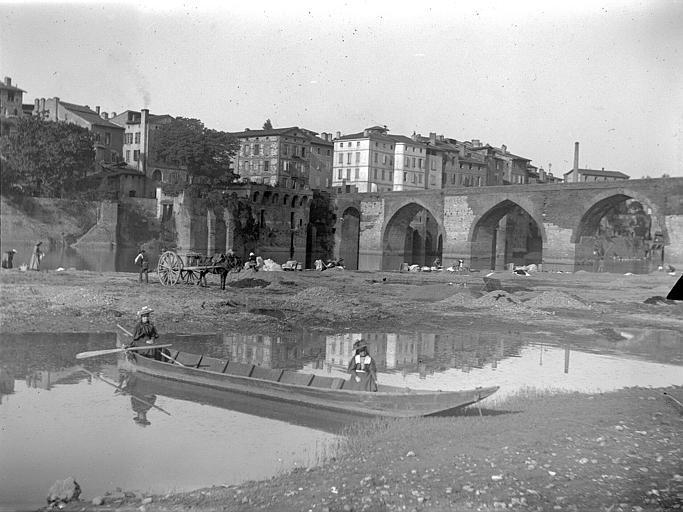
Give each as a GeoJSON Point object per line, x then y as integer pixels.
{"type": "Point", "coordinates": [190, 277]}
{"type": "Point", "coordinates": [169, 268]}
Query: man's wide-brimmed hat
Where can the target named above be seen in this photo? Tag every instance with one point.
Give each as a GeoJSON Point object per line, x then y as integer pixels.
{"type": "Point", "coordinates": [13, 250]}
{"type": "Point", "coordinates": [360, 344]}
{"type": "Point", "coordinates": [145, 310]}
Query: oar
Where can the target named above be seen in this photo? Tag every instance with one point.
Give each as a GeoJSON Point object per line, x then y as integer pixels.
{"type": "Point", "coordinates": [97, 376]}
{"type": "Point", "coordinates": [162, 352]}
{"type": "Point", "coordinates": [94, 353]}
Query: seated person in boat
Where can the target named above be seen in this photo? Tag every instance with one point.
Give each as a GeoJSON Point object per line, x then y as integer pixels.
{"type": "Point", "coordinates": [146, 333]}
{"type": "Point", "coordinates": [362, 369]}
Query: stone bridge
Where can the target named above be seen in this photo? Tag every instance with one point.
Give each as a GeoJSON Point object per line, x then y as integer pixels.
{"type": "Point", "coordinates": [491, 227]}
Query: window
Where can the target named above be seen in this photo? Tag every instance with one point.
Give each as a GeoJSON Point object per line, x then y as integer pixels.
{"type": "Point", "coordinates": [257, 149]}
{"type": "Point", "coordinates": [391, 161]}
{"type": "Point", "coordinates": [414, 180]}
{"type": "Point", "coordinates": [375, 158]}
{"type": "Point", "coordinates": [341, 158]}
{"type": "Point", "coordinates": [339, 174]}
{"type": "Point", "coordinates": [128, 155]}
{"type": "Point", "coordinates": [433, 165]}
{"type": "Point", "coordinates": [341, 144]}
{"type": "Point", "coordinates": [137, 137]}
{"type": "Point", "coordinates": [348, 158]}
{"type": "Point", "coordinates": [357, 173]}
{"type": "Point", "coordinates": [107, 139]}
{"type": "Point", "coordinates": [357, 157]}
{"type": "Point", "coordinates": [303, 152]}
{"type": "Point", "coordinates": [10, 96]}
{"type": "Point", "coordinates": [414, 162]}
{"type": "Point", "coordinates": [453, 179]}
{"type": "Point", "coordinates": [432, 179]}
{"type": "Point", "coordinates": [405, 176]}
{"type": "Point", "coordinates": [136, 155]}
{"type": "Point", "coordinates": [348, 174]}
{"type": "Point", "coordinates": [266, 166]}
{"type": "Point", "coordinates": [382, 174]}
{"type": "Point", "coordinates": [420, 163]}
{"type": "Point", "coordinates": [419, 178]}
{"type": "Point", "coordinates": [296, 150]}
{"type": "Point", "coordinates": [374, 174]}
{"type": "Point", "coordinates": [97, 137]}
{"type": "Point", "coordinates": [328, 152]}
{"type": "Point", "coordinates": [391, 175]}
{"type": "Point", "coordinates": [357, 143]}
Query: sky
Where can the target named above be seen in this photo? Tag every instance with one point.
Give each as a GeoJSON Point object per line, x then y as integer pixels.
{"type": "Point", "coordinates": [535, 76]}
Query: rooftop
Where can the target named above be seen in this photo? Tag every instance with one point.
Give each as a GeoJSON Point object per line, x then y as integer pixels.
{"type": "Point", "coordinates": [89, 115]}
{"type": "Point", "coordinates": [601, 172]}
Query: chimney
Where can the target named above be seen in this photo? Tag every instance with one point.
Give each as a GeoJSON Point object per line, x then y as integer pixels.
{"type": "Point", "coordinates": [576, 162]}
{"type": "Point", "coordinates": [8, 81]}
{"type": "Point", "coordinates": [105, 115]}
{"type": "Point", "coordinates": [476, 143]}
{"type": "Point", "coordinates": [97, 109]}
{"type": "Point", "coordinates": [36, 107]}
{"type": "Point", "coordinates": [432, 137]}
{"type": "Point", "coordinates": [442, 138]}
{"type": "Point", "coordinates": [144, 142]}
{"type": "Point", "coordinates": [113, 114]}
{"type": "Point", "coordinates": [365, 132]}
{"type": "Point", "coordinates": [504, 148]}
{"type": "Point", "coordinates": [42, 107]}
{"type": "Point", "coordinates": [56, 108]}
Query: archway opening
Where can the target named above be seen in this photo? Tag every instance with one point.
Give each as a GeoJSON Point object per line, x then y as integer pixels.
{"type": "Point", "coordinates": [350, 235]}
{"type": "Point", "coordinates": [505, 235]}
{"type": "Point", "coordinates": [619, 234]}
{"type": "Point", "coordinates": [412, 236]}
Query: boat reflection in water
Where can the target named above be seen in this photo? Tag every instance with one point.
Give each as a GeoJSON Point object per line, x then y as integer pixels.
{"type": "Point", "coordinates": [145, 389]}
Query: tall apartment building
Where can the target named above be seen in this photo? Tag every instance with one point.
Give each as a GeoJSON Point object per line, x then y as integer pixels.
{"type": "Point", "coordinates": [139, 133]}
{"type": "Point", "coordinates": [287, 157]}
{"type": "Point", "coordinates": [10, 105]}
{"type": "Point", "coordinates": [108, 136]}
{"type": "Point", "coordinates": [376, 161]}
{"type": "Point", "coordinates": [365, 160]}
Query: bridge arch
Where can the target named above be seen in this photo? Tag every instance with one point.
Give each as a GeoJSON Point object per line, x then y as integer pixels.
{"type": "Point", "coordinates": [412, 235]}
{"type": "Point", "coordinates": [506, 233]}
{"type": "Point", "coordinates": [594, 241]}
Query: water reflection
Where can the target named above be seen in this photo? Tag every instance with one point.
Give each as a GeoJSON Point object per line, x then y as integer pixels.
{"type": "Point", "coordinates": [113, 429]}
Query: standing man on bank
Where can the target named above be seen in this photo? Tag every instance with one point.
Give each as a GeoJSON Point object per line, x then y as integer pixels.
{"type": "Point", "coordinates": [143, 260]}
{"type": "Point", "coordinates": [8, 259]}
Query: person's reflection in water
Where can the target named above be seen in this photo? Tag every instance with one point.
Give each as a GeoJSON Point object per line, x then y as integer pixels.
{"type": "Point", "coordinates": [140, 401]}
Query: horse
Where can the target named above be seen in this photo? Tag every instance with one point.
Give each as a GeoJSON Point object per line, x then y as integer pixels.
{"type": "Point", "coordinates": [224, 264]}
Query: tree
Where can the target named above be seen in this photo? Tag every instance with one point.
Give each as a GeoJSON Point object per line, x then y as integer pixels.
{"type": "Point", "coordinates": [45, 158]}
{"type": "Point", "coordinates": [267, 125]}
{"type": "Point", "coordinates": [204, 152]}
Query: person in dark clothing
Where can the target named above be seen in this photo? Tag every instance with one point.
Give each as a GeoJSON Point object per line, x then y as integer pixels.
{"type": "Point", "coordinates": [146, 333]}
{"type": "Point", "coordinates": [8, 259]}
{"type": "Point", "coordinates": [362, 369]}
{"type": "Point", "coordinates": [143, 260]}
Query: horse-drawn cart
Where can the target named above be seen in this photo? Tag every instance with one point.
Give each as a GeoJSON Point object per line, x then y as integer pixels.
{"type": "Point", "coordinates": [173, 268]}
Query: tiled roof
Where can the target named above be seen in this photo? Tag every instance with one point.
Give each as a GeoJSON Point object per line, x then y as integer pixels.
{"type": "Point", "coordinates": [596, 172]}
{"type": "Point", "coordinates": [88, 115]}
{"type": "Point", "coordinates": [266, 133]}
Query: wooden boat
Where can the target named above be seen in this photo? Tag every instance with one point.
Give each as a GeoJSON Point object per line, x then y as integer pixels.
{"type": "Point", "coordinates": [304, 389]}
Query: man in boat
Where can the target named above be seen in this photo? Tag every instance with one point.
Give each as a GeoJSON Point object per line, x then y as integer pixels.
{"type": "Point", "coordinates": [146, 333]}
{"type": "Point", "coordinates": [362, 369]}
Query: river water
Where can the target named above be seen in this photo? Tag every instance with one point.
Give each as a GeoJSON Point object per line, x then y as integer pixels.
{"type": "Point", "coordinates": [58, 419]}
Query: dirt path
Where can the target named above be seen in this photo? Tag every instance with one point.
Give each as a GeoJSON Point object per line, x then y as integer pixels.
{"type": "Point", "coordinates": [614, 452]}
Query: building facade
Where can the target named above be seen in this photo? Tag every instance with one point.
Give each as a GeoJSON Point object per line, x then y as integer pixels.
{"type": "Point", "coordinates": [376, 161]}
{"type": "Point", "coordinates": [108, 136]}
{"type": "Point", "coordinates": [584, 175]}
{"type": "Point", "coordinates": [291, 157]}
{"type": "Point", "coordinates": [140, 129]}
{"type": "Point", "coordinates": [10, 105]}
